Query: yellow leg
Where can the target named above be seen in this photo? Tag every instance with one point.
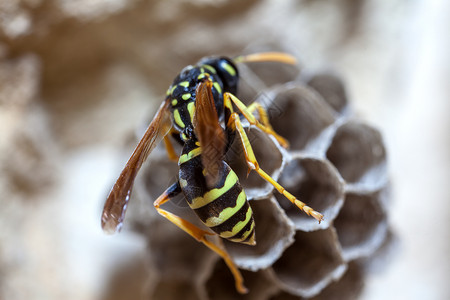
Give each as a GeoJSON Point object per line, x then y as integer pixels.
{"type": "Point", "coordinates": [264, 118]}
{"type": "Point", "coordinates": [235, 123]}
{"type": "Point", "coordinates": [247, 112]}
{"type": "Point", "coordinates": [170, 150]}
{"type": "Point", "coordinates": [200, 235]}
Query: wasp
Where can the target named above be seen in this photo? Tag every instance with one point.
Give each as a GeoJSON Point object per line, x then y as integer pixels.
{"type": "Point", "coordinates": [202, 113]}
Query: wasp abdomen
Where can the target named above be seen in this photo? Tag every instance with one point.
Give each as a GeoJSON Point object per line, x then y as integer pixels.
{"type": "Point", "coordinates": [223, 208]}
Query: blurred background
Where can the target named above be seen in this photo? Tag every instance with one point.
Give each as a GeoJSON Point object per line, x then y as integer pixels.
{"type": "Point", "coordinates": [79, 77]}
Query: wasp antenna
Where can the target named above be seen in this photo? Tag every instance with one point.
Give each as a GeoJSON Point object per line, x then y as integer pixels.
{"type": "Point", "coordinates": [267, 56]}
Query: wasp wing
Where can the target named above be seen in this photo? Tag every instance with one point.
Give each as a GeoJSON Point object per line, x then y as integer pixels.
{"type": "Point", "coordinates": [209, 132]}
{"type": "Point", "coordinates": [117, 201]}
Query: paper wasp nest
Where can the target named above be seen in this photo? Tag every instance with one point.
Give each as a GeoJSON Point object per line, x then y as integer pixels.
{"type": "Point", "coordinates": [334, 164]}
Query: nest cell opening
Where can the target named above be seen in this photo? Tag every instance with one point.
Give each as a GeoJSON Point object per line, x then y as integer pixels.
{"type": "Point", "coordinates": [274, 232]}
{"type": "Point", "coordinates": [255, 78]}
{"type": "Point", "coordinates": [310, 264]}
{"type": "Point", "coordinates": [175, 288]}
{"type": "Point", "coordinates": [298, 114]}
{"type": "Point", "coordinates": [220, 284]}
{"type": "Point", "coordinates": [349, 286]}
{"type": "Point", "coordinates": [316, 183]}
{"type": "Point", "coordinates": [272, 73]}
{"type": "Point", "coordinates": [331, 88]}
{"type": "Point", "coordinates": [174, 253]}
{"type": "Point", "coordinates": [358, 153]}
{"type": "Point", "coordinates": [286, 296]}
{"type": "Point", "coordinates": [361, 225]}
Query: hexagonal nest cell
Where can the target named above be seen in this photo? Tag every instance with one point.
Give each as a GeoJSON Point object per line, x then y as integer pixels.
{"type": "Point", "coordinates": [315, 182]}
{"type": "Point", "coordinates": [219, 284]}
{"type": "Point", "coordinates": [358, 153]}
{"type": "Point", "coordinates": [332, 90]}
{"type": "Point", "coordinates": [298, 113]}
{"type": "Point", "coordinates": [310, 264]}
{"type": "Point", "coordinates": [361, 225]}
{"type": "Point", "coordinates": [334, 164]}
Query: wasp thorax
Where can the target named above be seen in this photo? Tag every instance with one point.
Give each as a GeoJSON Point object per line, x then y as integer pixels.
{"type": "Point", "coordinates": [226, 70]}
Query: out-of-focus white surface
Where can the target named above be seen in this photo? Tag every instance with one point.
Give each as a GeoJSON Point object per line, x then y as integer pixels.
{"type": "Point", "coordinates": [415, 123]}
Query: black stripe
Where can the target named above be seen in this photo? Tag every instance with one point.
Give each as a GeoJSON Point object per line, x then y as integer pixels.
{"type": "Point", "coordinates": [249, 236]}
{"type": "Point", "coordinates": [246, 228]}
{"type": "Point", "coordinates": [231, 222]}
{"type": "Point", "coordinates": [214, 208]}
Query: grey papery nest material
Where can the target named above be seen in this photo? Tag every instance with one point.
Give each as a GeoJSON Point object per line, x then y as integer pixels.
{"type": "Point", "coordinates": [335, 164]}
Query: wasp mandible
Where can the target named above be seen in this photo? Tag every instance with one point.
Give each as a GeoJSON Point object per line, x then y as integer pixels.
{"type": "Point", "coordinates": [203, 114]}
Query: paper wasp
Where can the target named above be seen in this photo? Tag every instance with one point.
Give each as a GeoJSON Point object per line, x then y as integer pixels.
{"type": "Point", "coordinates": [199, 113]}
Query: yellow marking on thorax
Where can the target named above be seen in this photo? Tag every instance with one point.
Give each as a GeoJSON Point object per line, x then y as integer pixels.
{"type": "Point", "coordinates": [184, 83]}
{"type": "Point", "coordinates": [177, 118]}
{"type": "Point", "coordinates": [186, 96]}
{"type": "Point", "coordinates": [171, 89]}
{"type": "Point", "coordinates": [229, 69]}
{"type": "Point", "coordinates": [213, 194]}
{"type": "Point", "coordinates": [210, 69]}
{"type": "Point", "coordinates": [228, 213]}
{"type": "Point", "coordinates": [191, 110]}
{"type": "Point", "coordinates": [217, 87]}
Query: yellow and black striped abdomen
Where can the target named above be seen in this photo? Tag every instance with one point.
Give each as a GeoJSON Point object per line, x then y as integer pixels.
{"type": "Point", "coordinates": [224, 208]}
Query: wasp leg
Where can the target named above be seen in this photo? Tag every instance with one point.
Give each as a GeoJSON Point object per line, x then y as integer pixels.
{"type": "Point", "coordinates": [262, 112]}
{"type": "Point", "coordinates": [171, 154]}
{"type": "Point", "coordinates": [247, 112]}
{"type": "Point", "coordinates": [198, 234]}
{"type": "Point", "coordinates": [235, 123]}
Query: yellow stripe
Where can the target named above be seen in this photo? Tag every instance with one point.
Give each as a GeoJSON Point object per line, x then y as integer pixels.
{"type": "Point", "coordinates": [172, 89]}
{"type": "Point", "coordinates": [210, 69]}
{"type": "Point", "coordinates": [177, 118]}
{"type": "Point", "coordinates": [229, 68]}
{"type": "Point", "coordinates": [228, 213]}
{"type": "Point", "coordinates": [183, 183]}
{"type": "Point", "coordinates": [191, 107]}
{"type": "Point", "coordinates": [186, 157]}
{"type": "Point", "coordinates": [213, 194]}
{"type": "Point", "coordinates": [217, 86]}
{"type": "Point", "coordinates": [184, 83]}
{"type": "Point", "coordinates": [238, 227]}
{"type": "Point", "coordinates": [245, 235]}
